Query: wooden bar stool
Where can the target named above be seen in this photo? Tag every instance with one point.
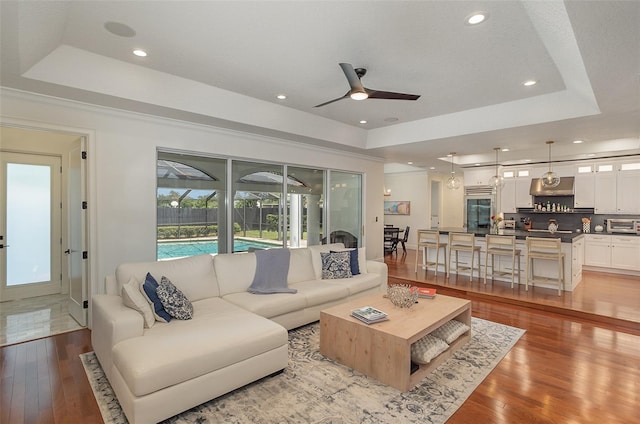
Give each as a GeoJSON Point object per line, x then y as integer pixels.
{"type": "Point", "coordinates": [429, 239]}
{"type": "Point", "coordinates": [501, 246]}
{"type": "Point", "coordinates": [549, 249]}
{"type": "Point", "coordinates": [464, 242]}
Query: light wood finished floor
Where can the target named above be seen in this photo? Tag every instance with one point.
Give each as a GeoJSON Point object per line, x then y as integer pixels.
{"type": "Point", "coordinates": [603, 297]}
{"type": "Point", "coordinates": [567, 368]}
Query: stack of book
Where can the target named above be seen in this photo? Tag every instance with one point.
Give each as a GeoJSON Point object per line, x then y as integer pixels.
{"type": "Point", "coordinates": [426, 293]}
{"type": "Point", "coordinates": [369, 315]}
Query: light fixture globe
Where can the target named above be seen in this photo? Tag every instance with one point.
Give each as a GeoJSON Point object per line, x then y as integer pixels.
{"type": "Point", "coordinates": [549, 179]}
{"type": "Point", "coordinates": [453, 182]}
{"type": "Point", "coordinates": [359, 95]}
{"type": "Point", "coordinates": [497, 181]}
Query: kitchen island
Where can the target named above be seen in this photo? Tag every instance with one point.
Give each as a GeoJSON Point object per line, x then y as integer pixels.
{"type": "Point", "coordinates": [572, 247]}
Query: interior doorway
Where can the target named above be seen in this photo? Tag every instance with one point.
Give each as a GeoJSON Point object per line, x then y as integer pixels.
{"type": "Point", "coordinates": [67, 231]}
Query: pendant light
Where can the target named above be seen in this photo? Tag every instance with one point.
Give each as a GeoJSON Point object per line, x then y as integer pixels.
{"type": "Point", "coordinates": [453, 182]}
{"type": "Point", "coordinates": [550, 179]}
{"type": "Point", "coordinates": [497, 181]}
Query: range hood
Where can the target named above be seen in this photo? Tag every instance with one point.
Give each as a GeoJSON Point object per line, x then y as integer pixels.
{"type": "Point", "coordinates": [565, 188]}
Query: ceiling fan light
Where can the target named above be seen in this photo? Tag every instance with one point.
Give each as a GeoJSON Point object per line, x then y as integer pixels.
{"type": "Point", "coordinates": [550, 179]}
{"type": "Point", "coordinates": [358, 95]}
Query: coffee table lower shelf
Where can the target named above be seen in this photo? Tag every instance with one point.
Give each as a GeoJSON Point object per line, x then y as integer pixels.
{"type": "Point", "coordinates": [383, 350]}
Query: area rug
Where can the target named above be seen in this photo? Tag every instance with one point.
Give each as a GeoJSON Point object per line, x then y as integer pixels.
{"type": "Point", "coordinates": [313, 389]}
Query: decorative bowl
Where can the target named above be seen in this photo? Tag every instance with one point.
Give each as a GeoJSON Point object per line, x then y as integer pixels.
{"type": "Point", "coordinates": [402, 295]}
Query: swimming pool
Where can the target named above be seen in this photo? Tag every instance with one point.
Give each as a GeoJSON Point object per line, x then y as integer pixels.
{"type": "Point", "coordinates": [179, 249]}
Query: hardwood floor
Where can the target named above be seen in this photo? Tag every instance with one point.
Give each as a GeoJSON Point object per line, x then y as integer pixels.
{"type": "Point", "coordinates": [604, 298]}
{"type": "Point", "coordinates": [575, 366]}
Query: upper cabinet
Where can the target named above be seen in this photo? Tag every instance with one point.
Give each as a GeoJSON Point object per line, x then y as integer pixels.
{"type": "Point", "coordinates": [584, 187]}
{"type": "Point", "coordinates": [481, 176]}
{"type": "Point", "coordinates": [628, 188]}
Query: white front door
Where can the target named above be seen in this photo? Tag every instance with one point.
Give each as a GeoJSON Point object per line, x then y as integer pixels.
{"type": "Point", "coordinates": [30, 225]}
{"type": "Point", "coordinates": [77, 218]}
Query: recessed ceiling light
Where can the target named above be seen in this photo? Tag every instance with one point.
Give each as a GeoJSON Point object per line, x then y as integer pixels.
{"type": "Point", "coordinates": [390, 119]}
{"type": "Point", "coordinates": [529, 83]}
{"type": "Point", "coordinates": [432, 167]}
{"type": "Point", "coordinates": [591, 155]}
{"type": "Point", "coordinates": [506, 149]}
{"type": "Point", "coordinates": [476, 164]}
{"type": "Point", "coordinates": [363, 121]}
{"type": "Point", "coordinates": [140, 53]}
{"type": "Point", "coordinates": [476, 18]}
{"type": "Point", "coordinates": [577, 141]}
{"type": "Point", "coordinates": [527, 160]}
{"type": "Point", "coordinates": [281, 96]}
{"type": "Point", "coordinates": [409, 163]}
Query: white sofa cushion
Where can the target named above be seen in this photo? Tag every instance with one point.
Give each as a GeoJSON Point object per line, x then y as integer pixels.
{"type": "Point", "coordinates": [133, 298]}
{"type": "Point", "coordinates": [301, 267]}
{"type": "Point", "coordinates": [268, 305]}
{"type": "Point", "coordinates": [357, 283]}
{"type": "Point", "coordinates": [235, 271]}
{"type": "Point", "coordinates": [194, 276]}
{"type": "Point", "coordinates": [318, 292]}
{"type": "Point", "coordinates": [316, 260]}
{"type": "Point", "coordinates": [220, 334]}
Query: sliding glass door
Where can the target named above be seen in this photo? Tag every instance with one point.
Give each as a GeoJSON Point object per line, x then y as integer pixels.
{"type": "Point", "coordinates": [345, 200]}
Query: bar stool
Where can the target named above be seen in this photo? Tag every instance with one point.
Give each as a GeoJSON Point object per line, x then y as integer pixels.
{"type": "Point", "coordinates": [501, 246]}
{"type": "Point", "coordinates": [548, 249]}
{"type": "Point", "coordinates": [464, 242]}
{"type": "Point", "coordinates": [429, 239]}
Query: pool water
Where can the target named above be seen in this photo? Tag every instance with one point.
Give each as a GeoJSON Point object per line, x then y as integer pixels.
{"type": "Point", "coordinates": [180, 249]}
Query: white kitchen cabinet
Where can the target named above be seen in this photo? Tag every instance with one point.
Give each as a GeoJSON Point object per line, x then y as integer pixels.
{"type": "Point", "coordinates": [523, 197]}
{"type": "Point", "coordinates": [628, 192]}
{"type": "Point", "coordinates": [625, 252]}
{"type": "Point", "coordinates": [597, 250]}
{"type": "Point", "coordinates": [584, 190]}
{"type": "Point", "coordinates": [605, 193]}
{"type": "Point", "coordinates": [474, 177]}
{"type": "Point", "coordinates": [508, 196]}
{"type": "Point", "coordinates": [577, 259]}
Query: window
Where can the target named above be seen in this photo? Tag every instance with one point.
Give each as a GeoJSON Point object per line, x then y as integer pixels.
{"type": "Point", "coordinates": [605, 168]}
{"type": "Point", "coordinates": [630, 166]}
{"type": "Point", "coordinates": [216, 205]}
{"type": "Point", "coordinates": [585, 169]}
{"type": "Point", "coordinates": [523, 173]}
{"type": "Point", "coordinates": [508, 174]}
{"type": "Point", "coordinates": [191, 209]}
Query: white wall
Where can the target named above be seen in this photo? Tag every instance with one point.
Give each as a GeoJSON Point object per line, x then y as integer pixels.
{"type": "Point", "coordinates": [413, 187]}
{"type": "Point", "coordinates": [416, 188]}
{"type": "Point", "coordinates": [122, 170]}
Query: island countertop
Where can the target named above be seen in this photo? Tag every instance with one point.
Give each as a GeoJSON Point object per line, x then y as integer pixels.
{"type": "Point", "coordinates": [565, 237]}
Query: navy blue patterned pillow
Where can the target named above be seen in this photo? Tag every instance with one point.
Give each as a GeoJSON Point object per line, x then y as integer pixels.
{"type": "Point", "coordinates": [174, 301]}
{"type": "Point", "coordinates": [353, 260]}
{"type": "Point", "coordinates": [149, 290]}
{"type": "Point", "coordinates": [335, 265]}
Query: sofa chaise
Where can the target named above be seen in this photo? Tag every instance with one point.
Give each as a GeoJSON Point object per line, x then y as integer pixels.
{"type": "Point", "coordinates": [234, 338]}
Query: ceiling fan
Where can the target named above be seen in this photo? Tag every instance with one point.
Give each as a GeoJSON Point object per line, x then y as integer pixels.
{"type": "Point", "coordinates": [360, 92]}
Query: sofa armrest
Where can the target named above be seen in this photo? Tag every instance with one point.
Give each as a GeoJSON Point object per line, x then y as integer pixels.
{"type": "Point", "coordinates": [380, 268]}
{"type": "Point", "coordinates": [112, 323]}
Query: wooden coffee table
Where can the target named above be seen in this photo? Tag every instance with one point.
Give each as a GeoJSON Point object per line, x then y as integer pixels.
{"type": "Point", "coordinates": [383, 350]}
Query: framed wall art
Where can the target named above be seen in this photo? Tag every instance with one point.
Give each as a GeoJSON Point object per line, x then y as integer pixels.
{"type": "Point", "coordinates": [402, 207]}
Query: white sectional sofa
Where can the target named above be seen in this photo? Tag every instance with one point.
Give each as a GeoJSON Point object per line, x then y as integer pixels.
{"type": "Point", "coordinates": [234, 337]}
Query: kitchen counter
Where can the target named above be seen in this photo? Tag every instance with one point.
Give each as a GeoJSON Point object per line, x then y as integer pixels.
{"type": "Point", "coordinates": [565, 237]}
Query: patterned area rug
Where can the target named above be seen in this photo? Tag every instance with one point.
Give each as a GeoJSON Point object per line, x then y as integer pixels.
{"type": "Point", "coordinates": [314, 389]}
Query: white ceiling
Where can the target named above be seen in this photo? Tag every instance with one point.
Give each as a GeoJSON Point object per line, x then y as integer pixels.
{"type": "Point", "coordinates": [223, 62]}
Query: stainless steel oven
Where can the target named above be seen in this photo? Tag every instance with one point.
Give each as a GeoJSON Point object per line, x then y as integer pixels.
{"type": "Point", "coordinates": [479, 204]}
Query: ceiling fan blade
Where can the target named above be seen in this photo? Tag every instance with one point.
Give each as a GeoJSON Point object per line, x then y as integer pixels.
{"type": "Point", "coordinates": [352, 77]}
{"type": "Point", "coordinates": [334, 100]}
{"type": "Point", "coordinates": [390, 95]}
